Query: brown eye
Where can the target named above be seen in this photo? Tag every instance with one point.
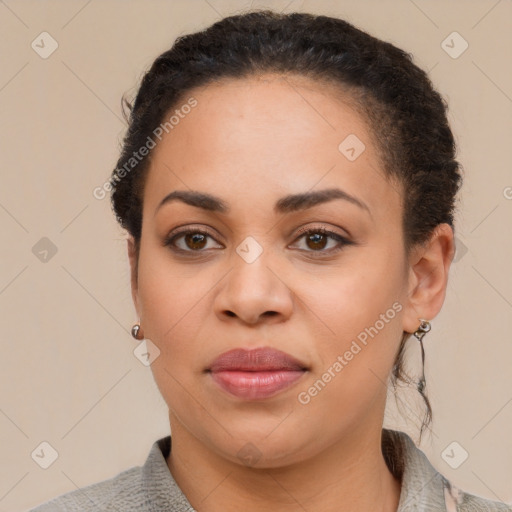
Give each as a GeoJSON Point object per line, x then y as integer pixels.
{"type": "Point", "coordinates": [191, 240]}
{"type": "Point", "coordinates": [195, 240]}
{"type": "Point", "coordinates": [316, 241]}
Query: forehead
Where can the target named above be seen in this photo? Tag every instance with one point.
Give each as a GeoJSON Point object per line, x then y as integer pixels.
{"type": "Point", "coordinates": [259, 138]}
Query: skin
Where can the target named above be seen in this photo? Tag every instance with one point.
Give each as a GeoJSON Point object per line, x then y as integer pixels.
{"type": "Point", "coordinates": [250, 142]}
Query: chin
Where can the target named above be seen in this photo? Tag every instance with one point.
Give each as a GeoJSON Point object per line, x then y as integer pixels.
{"type": "Point", "coordinates": [271, 449]}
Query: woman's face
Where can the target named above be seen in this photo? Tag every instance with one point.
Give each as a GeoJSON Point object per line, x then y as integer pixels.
{"type": "Point", "coordinates": [269, 148]}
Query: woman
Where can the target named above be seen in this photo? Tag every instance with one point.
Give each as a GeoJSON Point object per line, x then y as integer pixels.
{"type": "Point", "coordinates": [288, 185]}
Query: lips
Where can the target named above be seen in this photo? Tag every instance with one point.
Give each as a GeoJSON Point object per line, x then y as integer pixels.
{"type": "Point", "coordinates": [255, 374]}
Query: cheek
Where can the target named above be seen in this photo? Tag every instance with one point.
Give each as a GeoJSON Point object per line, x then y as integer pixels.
{"type": "Point", "coordinates": [354, 295]}
{"type": "Point", "coordinates": [171, 296]}
{"type": "Point", "coordinates": [355, 357]}
{"type": "Point", "coordinates": [174, 314]}
{"type": "Point", "coordinates": [357, 316]}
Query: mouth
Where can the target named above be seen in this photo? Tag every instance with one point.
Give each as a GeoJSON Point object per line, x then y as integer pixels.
{"type": "Point", "coordinates": [255, 374]}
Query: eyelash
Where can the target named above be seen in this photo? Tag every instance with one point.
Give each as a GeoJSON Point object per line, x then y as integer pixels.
{"type": "Point", "coordinates": [342, 241]}
{"type": "Point", "coordinates": [170, 240]}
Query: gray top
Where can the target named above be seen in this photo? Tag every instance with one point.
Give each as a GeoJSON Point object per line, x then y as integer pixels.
{"type": "Point", "coordinates": [152, 488]}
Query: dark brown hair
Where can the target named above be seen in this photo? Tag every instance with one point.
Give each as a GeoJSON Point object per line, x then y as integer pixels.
{"type": "Point", "coordinates": [405, 114]}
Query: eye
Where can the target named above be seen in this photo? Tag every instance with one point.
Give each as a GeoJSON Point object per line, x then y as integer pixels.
{"type": "Point", "coordinates": [192, 240]}
{"type": "Point", "coordinates": [317, 239]}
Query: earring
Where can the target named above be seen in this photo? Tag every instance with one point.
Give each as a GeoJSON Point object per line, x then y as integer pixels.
{"type": "Point", "coordinates": [423, 328]}
{"type": "Point", "coordinates": [137, 332]}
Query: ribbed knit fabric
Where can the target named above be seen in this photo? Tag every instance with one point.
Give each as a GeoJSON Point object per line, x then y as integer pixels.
{"type": "Point", "coordinates": [151, 487]}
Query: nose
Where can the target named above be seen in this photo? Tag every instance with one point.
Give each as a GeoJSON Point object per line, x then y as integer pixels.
{"type": "Point", "coordinates": [254, 292]}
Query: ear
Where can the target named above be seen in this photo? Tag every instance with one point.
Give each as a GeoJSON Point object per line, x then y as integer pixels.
{"type": "Point", "coordinates": [428, 277]}
{"type": "Point", "coordinates": [133, 258]}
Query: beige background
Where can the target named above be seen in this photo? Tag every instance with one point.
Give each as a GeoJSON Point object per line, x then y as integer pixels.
{"type": "Point", "coordinates": [68, 374]}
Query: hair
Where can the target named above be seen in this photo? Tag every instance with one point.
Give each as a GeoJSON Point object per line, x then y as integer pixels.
{"type": "Point", "coordinates": [406, 116]}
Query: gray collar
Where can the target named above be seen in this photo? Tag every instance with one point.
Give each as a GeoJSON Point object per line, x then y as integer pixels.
{"type": "Point", "coordinates": [422, 487]}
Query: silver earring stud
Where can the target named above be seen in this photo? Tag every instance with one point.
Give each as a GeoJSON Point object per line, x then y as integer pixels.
{"type": "Point", "coordinates": [136, 332]}
{"type": "Point", "coordinates": [423, 328]}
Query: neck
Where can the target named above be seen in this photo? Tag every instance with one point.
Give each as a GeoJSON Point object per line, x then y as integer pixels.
{"type": "Point", "coordinates": [350, 476]}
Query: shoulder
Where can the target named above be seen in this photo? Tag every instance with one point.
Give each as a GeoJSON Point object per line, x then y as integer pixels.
{"type": "Point", "coordinates": [422, 486]}
{"type": "Point", "coordinates": [141, 488]}
{"type": "Point", "coordinates": [459, 501]}
{"type": "Point", "coordinates": [121, 492]}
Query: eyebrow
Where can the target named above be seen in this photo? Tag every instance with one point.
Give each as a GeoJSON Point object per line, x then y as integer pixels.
{"type": "Point", "coordinates": [286, 204]}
